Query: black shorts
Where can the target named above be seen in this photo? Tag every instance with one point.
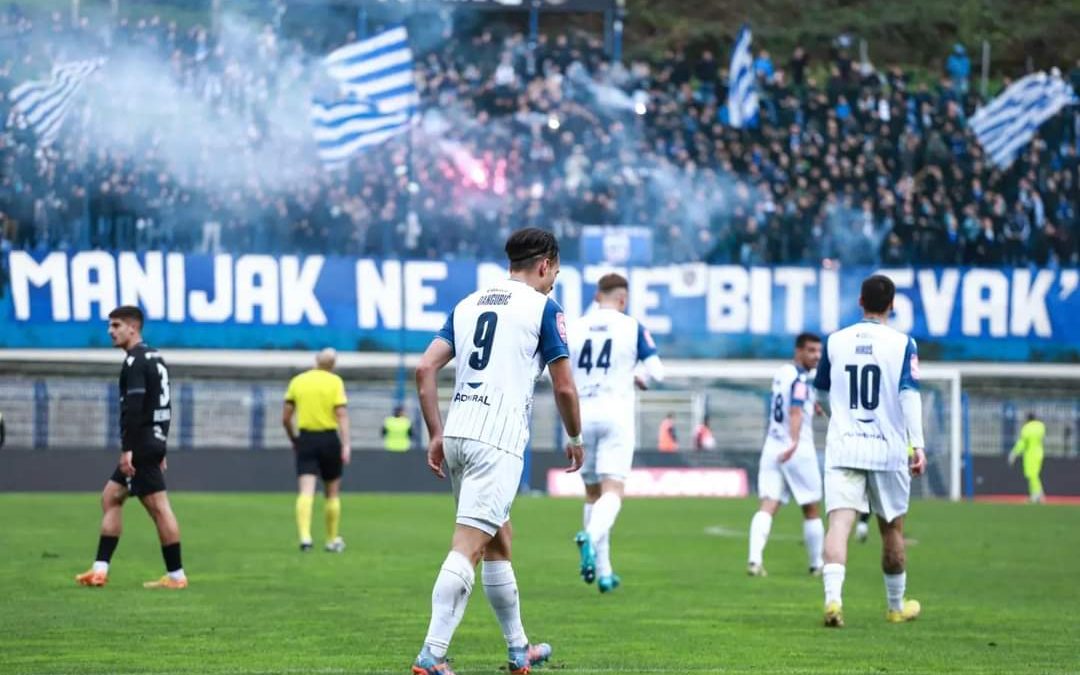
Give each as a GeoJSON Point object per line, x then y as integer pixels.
{"type": "Point", "coordinates": [319, 453]}
{"type": "Point", "coordinates": [148, 478]}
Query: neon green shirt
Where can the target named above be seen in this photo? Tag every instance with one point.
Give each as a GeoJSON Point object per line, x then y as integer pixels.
{"type": "Point", "coordinates": [1031, 438]}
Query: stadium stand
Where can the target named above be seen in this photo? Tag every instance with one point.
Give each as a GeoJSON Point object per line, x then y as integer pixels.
{"type": "Point", "coordinates": [863, 166]}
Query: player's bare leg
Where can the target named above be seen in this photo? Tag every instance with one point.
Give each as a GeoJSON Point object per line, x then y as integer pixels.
{"type": "Point", "coordinates": [112, 525]}
{"type": "Point", "coordinates": [760, 526]}
{"type": "Point", "coordinates": [305, 504]}
{"type": "Point", "coordinates": [160, 510]}
{"type": "Point", "coordinates": [501, 589]}
{"type": "Point", "coordinates": [841, 521]}
{"type": "Point", "coordinates": [813, 537]}
{"type": "Point", "coordinates": [603, 510]}
{"type": "Point", "coordinates": [450, 596]}
{"type": "Point", "coordinates": [894, 564]}
{"type": "Point", "coordinates": [332, 508]}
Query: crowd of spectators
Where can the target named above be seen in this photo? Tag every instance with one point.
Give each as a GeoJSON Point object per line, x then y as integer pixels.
{"type": "Point", "coordinates": [848, 162]}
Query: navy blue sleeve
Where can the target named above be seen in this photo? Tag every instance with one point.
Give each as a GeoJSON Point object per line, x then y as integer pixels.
{"type": "Point", "coordinates": [447, 331]}
{"type": "Point", "coordinates": [645, 345]}
{"type": "Point", "coordinates": [909, 372]}
{"type": "Point", "coordinates": [553, 333]}
{"type": "Point", "coordinates": [799, 391]}
{"type": "Point", "coordinates": [823, 379]}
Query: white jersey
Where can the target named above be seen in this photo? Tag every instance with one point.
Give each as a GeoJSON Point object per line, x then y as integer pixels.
{"type": "Point", "coordinates": [864, 367]}
{"type": "Point", "coordinates": [605, 348]}
{"type": "Point", "coordinates": [790, 388]}
{"type": "Point", "coordinates": [503, 337]}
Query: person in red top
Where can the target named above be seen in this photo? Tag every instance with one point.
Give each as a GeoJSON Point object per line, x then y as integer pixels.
{"type": "Point", "coordinates": [703, 436]}
{"type": "Point", "coordinates": [666, 440]}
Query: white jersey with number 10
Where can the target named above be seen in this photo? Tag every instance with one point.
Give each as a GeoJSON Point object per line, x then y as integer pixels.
{"type": "Point", "coordinates": [503, 338]}
{"type": "Point", "coordinates": [864, 367]}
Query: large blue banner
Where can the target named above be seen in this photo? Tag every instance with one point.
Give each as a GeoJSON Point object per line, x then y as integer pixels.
{"type": "Point", "coordinates": [259, 301]}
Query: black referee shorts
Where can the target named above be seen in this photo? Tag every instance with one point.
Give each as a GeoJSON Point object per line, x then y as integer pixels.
{"type": "Point", "coordinates": [319, 453]}
{"type": "Point", "coordinates": [148, 478]}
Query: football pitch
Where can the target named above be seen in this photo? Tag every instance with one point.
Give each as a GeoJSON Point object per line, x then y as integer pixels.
{"type": "Point", "coordinates": [998, 584]}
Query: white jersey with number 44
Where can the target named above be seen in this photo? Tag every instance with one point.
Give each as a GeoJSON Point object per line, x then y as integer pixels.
{"type": "Point", "coordinates": [503, 337]}
{"type": "Point", "coordinates": [605, 348]}
{"type": "Point", "coordinates": [864, 367]}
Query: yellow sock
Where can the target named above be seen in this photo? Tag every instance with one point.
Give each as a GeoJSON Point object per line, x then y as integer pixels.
{"type": "Point", "coordinates": [304, 505]}
{"type": "Point", "coordinates": [1035, 487]}
{"type": "Point", "coordinates": [333, 518]}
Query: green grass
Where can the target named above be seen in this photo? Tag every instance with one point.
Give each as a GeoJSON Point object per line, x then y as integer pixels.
{"type": "Point", "coordinates": [998, 587]}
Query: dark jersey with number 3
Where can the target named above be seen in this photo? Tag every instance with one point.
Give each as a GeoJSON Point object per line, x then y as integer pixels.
{"type": "Point", "coordinates": [145, 399]}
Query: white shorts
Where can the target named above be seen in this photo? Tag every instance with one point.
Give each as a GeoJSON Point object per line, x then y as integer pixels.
{"type": "Point", "coordinates": [609, 450]}
{"type": "Point", "coordinates": [799, 477]}
{"type": "Point", "coordinates": [887, 493]}
{"type": "Point", "coordinates": [485, 481]}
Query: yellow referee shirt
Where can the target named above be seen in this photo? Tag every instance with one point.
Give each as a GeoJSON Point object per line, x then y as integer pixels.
{"type": "Point", "coordinates": [316, 394]}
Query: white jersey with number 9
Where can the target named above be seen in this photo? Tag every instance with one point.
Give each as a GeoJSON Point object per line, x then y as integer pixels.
{"type": "Point", "coordinates": [502, 337]}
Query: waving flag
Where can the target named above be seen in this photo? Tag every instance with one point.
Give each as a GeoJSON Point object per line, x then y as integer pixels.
{"type": "Point", "coordinates": [742, 99]}
{"type": "Point", "coordinates": [1009, 122]}
{"type": "Point", "coordinates": [344, 127]}
{"type": "Point", "coordinates": [378, 69]}
{"type": "Point", "coordinates": [379, 96]}
{"type": "Point", "coordinates": [45, 104]}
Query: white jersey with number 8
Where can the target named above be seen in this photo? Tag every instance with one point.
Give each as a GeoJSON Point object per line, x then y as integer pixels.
{"type": "Point", "coordinates": [791, 388]}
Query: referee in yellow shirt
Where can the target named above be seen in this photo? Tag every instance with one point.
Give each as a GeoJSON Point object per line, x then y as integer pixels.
{"type": "Point", "coordinates": [317, 398]}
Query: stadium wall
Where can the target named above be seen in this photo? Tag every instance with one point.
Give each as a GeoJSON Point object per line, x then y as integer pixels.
{"type": "Point", "coordinates": [226, 470]}
{"type": "Point", "coordinates": [59, 300]}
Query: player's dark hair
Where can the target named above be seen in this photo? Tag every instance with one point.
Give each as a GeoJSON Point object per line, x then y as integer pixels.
{"type": "Point", "coordinates": [806, 338]}
{"type": "Point", "coordinates": [530, 245]}
{"type": "Point", "coordinates": [1032, 417]}
{"type": "Point", "coordinates": [128, 313]}
{"type": "Point", "coordinates": [878, 292]}
{"type": "Point", "coordinates": [611, 282]}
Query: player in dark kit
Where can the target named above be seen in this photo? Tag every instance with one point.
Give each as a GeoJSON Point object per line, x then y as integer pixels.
{"type": "Point", "coordinates": [145, 411]}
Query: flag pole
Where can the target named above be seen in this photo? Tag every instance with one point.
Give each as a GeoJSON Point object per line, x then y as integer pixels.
{"type": "Point", "coordinates": [410, 216]}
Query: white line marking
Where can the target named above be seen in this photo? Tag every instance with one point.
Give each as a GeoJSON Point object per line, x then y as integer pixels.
{"type": "Point", "coordinates": [737, 533]}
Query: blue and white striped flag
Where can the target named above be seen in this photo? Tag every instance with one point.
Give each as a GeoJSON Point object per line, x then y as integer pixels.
{"type": "Point", "coordinates": [378, 69]}
{"type": "Point", "coordinates": [742, 102]}
{"type": "Point", "coordinates": [1009, 122]}
{"type": "Point", "coordinates": [344, 127]}
{"type": "Point", "coordinates": [45, 104]}
{"type": "Point", "coordinates": [379, 96]}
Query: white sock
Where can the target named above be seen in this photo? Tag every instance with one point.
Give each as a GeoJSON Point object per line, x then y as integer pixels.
{"type": "Point", "coordinates": [587, 516]}
{"type": "Point", "coordinates": [760, 526]}
{"type": "Point", "coordinates": [813, 532]}
{"type": "Point", "coordinates": [604, 513]}
{"type": "Point", "coordinates": [833, 575]}
{"type": "Point", "coordinates": [177, 575]}
{"type": "Point", "coordinates": [603, 555]}
{"type": "Point", "coordinates": [101, 566]}
{"type": "Point", "coordinates": [500, 587]}
{"type": "Point", "coordinates": [895, 585]}
{"type": "Point", "coordinates": [448, 601]}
